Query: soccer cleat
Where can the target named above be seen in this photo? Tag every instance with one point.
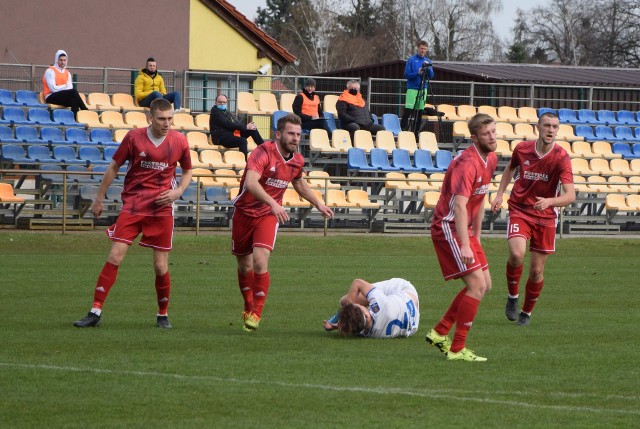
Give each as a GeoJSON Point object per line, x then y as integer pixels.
{"type": "Point", "coordinates": [251, 321]}
{"type": "Point", "coordinates": [89, 321]}
{"type": "Point", "coordinates": [163, 322]}
{"type": "Point", "coordinates": [523, 319]}
{"type": "Point", "coordinates": [442, 342]}
{"type": "Point", "coordinates": [466, 355]}
{"type": "Point", "coordinates": [332, 323]}
{"type": "Point", "coordinates": [511, 309]}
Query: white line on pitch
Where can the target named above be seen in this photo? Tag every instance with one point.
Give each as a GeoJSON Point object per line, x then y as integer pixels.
{"type": "Point", "coordinates": [454, 394]}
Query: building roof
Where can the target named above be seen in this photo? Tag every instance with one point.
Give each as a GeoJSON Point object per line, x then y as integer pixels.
{"type": "Point", "coordinates": [267, 44]}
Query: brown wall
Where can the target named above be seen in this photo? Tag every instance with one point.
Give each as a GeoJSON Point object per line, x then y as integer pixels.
{"type": "Point", "coordinates": [103, 33]}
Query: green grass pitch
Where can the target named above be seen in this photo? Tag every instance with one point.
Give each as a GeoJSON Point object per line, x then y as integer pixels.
{"type": "Point", "coordinates": [575, 366]}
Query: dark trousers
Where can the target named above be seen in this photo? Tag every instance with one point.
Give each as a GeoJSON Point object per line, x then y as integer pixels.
{"type": "Point", "coordinates": [352, 127]}
{"type": "Point", "coordinates": [230, 141]}
{"type": "Point", "coordinates": [67, 98]}
{"type": "Point", "coordinates": [316, 123]}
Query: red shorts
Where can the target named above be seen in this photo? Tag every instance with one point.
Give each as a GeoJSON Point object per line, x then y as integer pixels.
{"type": "Point", "coordinates": [249, 232]}
{"type": "Point", "coordinates": [157, 231]}
{"type": "Point", "coordinates": [451, 264]}
{"type": "Point", "coordinates": [543, 238]}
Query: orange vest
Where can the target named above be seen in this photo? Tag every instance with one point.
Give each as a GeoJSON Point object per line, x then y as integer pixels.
{"type": "Point", "coordinates": [61, 79]}
{"type": "Point", "coordinates": [356, 100]}
{"type": "Point", "coordinates": [310, 107]}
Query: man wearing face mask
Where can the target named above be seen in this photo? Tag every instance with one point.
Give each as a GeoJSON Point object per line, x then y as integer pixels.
{"type": "Point", "coordinates": [227, 131]}
{"type": "Point", "coordinates": [353, 112]}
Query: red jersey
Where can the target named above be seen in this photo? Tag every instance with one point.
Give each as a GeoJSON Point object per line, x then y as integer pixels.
{"type": "Point", "coordinates": [539, 176]}
{"type": "Point", "coordinates": [152, 170]}
{"type": "Point", "coordinates": [468, 175]}
{"type": "Point", "coordinates": [275, 175]}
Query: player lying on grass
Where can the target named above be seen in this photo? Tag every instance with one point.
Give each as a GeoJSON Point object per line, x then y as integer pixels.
{"type": "Point", "coordinates": [385, 309]}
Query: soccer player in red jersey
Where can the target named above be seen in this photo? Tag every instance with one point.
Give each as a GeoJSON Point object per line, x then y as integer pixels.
{"type": "Point", "coordinates": [544, 168]}
{"type": "Point", "coordinates": [455, 232]}
{"type": "Point", "coordinates": [150, 188]}
{"type": "Point", "coordinates": [258, 212]}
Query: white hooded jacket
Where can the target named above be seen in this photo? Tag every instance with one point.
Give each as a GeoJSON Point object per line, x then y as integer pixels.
{"type": "Point", "coordinates": [50, 77]}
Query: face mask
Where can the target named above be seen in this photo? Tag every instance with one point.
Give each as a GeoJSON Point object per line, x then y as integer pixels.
{"type": "Point", "coordinates": [222, 106]}
{"type": "Point", "coordinates": [353, 91]}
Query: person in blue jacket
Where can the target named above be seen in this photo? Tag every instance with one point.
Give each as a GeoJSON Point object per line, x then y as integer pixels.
{"type": "Point", "coordinates": [416, 66]}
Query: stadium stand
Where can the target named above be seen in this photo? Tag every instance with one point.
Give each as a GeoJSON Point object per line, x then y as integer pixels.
{"type": "Point", "coordinates": [202, 121]}
{"type": "Point", "coordinates": [379, 159]}
{"type": "Point", "coordinates": [229, 181]}
{"type": "Point", "coordinates": [286, 101]}
{"type": "Point", "coordinates": [7, 194]}
{"type": "Point", "coordinates": [234, 159]}
{"type": "Point", "coordinates": [100, 101]}
{"type": "Point", "coordinates": [28, 135]}
{"type": "Point", "coordinates": [422, 159]}
{"type": "Point", "coordinates": [420, 182]}
{"type": "Point", "coordinates": [198, 140]}
{"type": "Point", "coordinates": [66, 155]}
{"type": "Point", "coordinates": [466, 111]}
{"type": "Point", "coordinates": [508, 114]}
{"type": "Point", "coordinates": [627, 117]}
{"type": "Point", "coordinates": [184, 122]}
{"type": "Point", "coordinates": [247, 104]}
{"type": "Point", "coordinates": [267, 103]}
{"type": "Point", "coordinates": [363, 139]}
{"type": "Point", "coordinates": [40, 116]}
{"type": "Point", "coordinates": [340, 141]}
{"type": "Point", "coordinates": [608, 117]}
{"type": "Point", "coordinates": [600, 167]}
{"type": "Point", "coordinates": [14, 154]}
{"type": "Point", "coordinates": [491, 111]}
{"type": "Point", "coordinates": [583, 150]}
{"type": "Point", "coordinates": [7, 98]}
{"type": "Point", "coordinates": [6, 135]}
{"type": "Point", "coordinates": [566, 132]}
{"type": "Point", "coordinates": [65, 118]}
{"type": "Point", "coordinates": [603, 149]}
{"type": "Point", "coordinates": [588, 116]}
{"type": "Point", "coordinates": [125, 102]}
{"type": "Point", "coordinates": [118, 135]}
{"type": "Point", "coordinates": [39, 154]}
{"type": "Point", "coordinates": [385, 141]}
{"type": "Point", "coordinates": [502, 148]}
{"type": "Point", "coordinates": [360, 199]}
{"type": "Point", "coordinates": [443, 159]}
{"type": "Point", "coordinates": [391, 122]}
{"type": "Point", "coordinates": [525, 131]}
{"type": "Point", "coordinates": [624, 133]}
{"type": "Point", "coordinates": [407, 141]}
{"type": "Point", "coordinates": [320, 179]}
{"type": "Point", "coordinates": [427, 140]}
{"type": "Point", "coordinates": [401, 160]}
{"type": "Point", "coordinates": [619, 184]}
{"type": "Point", "coordinates": [331, 121]}
{"type": "Point", "coordinates": [15, 116]}
{"type": "Point", "coordinates": [336, 198]}
{"type": "Point", "coordinates": [53, 135]}
{"type": "Point", "coordinates": [91, 155]}
{"type": "Point", "coordinates": [90, 118]}
{"type": "Point", "coordinates": [28, 98]}
{"type": "Point", "coordinates": [357, 160]}
{"type": "Point", "coordinates": [113, 119]}
{"type": "Point", "coordinates": [329, 104]}
{"type": "Point", "coordinates": [397, 181]}
{"type": "Point", "coordinates": [621, 166]}
{"type": "Point", "coordinates": [528, 114]}
{"type": "Point", "coordinates": [136, 119]}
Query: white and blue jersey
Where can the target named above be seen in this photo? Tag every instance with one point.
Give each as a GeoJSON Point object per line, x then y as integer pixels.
{"type": "Point", "coordinates": [393, 310]}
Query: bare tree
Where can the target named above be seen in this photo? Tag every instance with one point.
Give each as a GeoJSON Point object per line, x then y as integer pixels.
{"type": "Point", "coordinates": [614, 40]}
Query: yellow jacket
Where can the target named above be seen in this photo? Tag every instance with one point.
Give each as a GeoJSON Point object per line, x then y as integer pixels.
{"type": "Point", "coordinates": [146, 84]}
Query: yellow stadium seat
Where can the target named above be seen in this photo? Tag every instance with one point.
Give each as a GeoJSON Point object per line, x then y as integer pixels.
{"type": "Point", "coordinates": [528, 114]}
{"type": "Point", "coordinates": [202, 121]}
{"type": "Point", "coordinates": [583, 150]}
{"type": "Point", "coordinates": [100, 101]}
{"type": "Point", "coordinates": [566, 132]}
{"type": "Point", "coordinates": [234, 159]}
{"type": "Point", "coordinates": [362, 139]}
{"type": "Point", "coordinates": [337, 198]}
{"type": "Point", "coordinates": [113, 119]}
{"type": "Point", "coordinates": [420, 181]}
{"type": "Point", "coordinates": [204, 175]}
{"type": "Point", "coordinates": [524, 131]}
{"type": "Point", "coordinates": [436, 179]}
{"type": "Point", "coordinates": [386, 141]}
{"type": "Point", "coordinates": [619, 184]}
{"type": "Point", "coordinates": [195, 160]}
{"type": "Point", "coordinates": [286, 101]}
{"type": "Point", "coordinates": [319, 141]}
{"type": "Point", "coordinates": [466, 112]}
{"type": "Point", "coordinates": [597, 184]}
{"type": "Point", "coordinates": [508, 114]}
{"type": "Point", "coordinates": [449, 112]}
{"type": "Point", "coordinates": [407, 141]}
{"type": "Point", "coordinates": [198, 140]}
{"type": "Point", "coordinates": [634, 166]}
{"type": "Point", "coordinates": [319, 179]}
{"type": "Point", "coordinates": [291, 198]}
{"type": "Point", "coordinates": [616, 202]}
{"type": "Point", "coordinates": [125, 102]}
{"type": "Point", "coordinates": [430, 199]}
{"type": "Point", "coordinates": [633, 201]}
{"type": "Point", "coordinates": [427, 140]}
{"type": "Point", "coordinates": [601, 167]}
{"type": "Point", "coordinates": [213, 159]}
{"type": "Point", "coordinates": [118, 135]}
{"type": "Point", "coordinates": [267, 102]}
{"type": "Point", "coordinates": [566, 146]}
{"type": "Point", "coordinates": [395, 180]}
{"type": "Point", "coordinates": [580, 183]}
{"type": "Point", "coordinates": [505, 131]}
{"type": "Point", "coordinates": [461, 130]}
{"type": "Point", "coordinates": [603, 149]}
{"type": "Point", "coordinates": [230, 181]}
{"type": "Point", "coordinates": [621, 166]}
{"type": "Point", "coordinates": [136, 119]}
{"type": "Point", "coordinates": [491, 111]}
{"type": "Point", "coordinates": [502, 148]}
{"type": "Point", "coordinates": [329, 104]}
{"type": "Point", "coordinates": [184, 122]}
{"type": "Point", "coordinates": [341, 141]}
{"type": "Point", "coordinates": [580, 166]}
{"type": "Point", "coordinates": [90, 118]}
{"type": "Point", "coordinates": [360, 198]}
{"type": "Point", "coordinates": [247, 104]}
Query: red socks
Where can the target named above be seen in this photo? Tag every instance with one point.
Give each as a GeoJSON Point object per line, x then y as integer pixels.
{"type": "Point", "coordinates": [444, 326]}
{"type": "Point", "coordinates": [106, 279]}
{"type": "Point", "coordinates": [163, 290]}
{"type": "Point", "coordinates": [466, 314]}
{"type": "Point", "coordinates": [531, 295]}
{"type": "Point", "coordinates": [513, 278]}
{"type": "Point", "coordinates": [245, 283]}
{"type": "Point", "coordinates": [260, 289]}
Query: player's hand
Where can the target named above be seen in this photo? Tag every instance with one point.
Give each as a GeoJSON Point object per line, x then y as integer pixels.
{"type": "Point", "coordinates": [326, 211]}
{"type": "Point", "coordinates": [328, 326]}
{"type": "Point", "coordinates": [543, 203]}
{"type": "Point", "coordinates": [167, 197]}
{"type": "Point", "coordinates": [96, 208]}
{"type": "Point", "coordinates": [496, 204]}
{"type": "Point", "coordinates": [466, 254]}
{"type": "Point", "coordinates": [280, 213]}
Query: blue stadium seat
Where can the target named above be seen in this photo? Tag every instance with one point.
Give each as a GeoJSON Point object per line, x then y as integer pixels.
{"type": "Point", "coordinates": [636, 150]}
{"type": "Point", "coordinates": [66, 155]}
{"type": "Point", "coordinates": [627, 117]}
{"type": "Point", "coordinates": [108, 153]}
{"type": "Point", "coordinates": [65, 117]}
{"type": "Point", "coordinates": [89, 192]}
{"type": "Point", "coordinates": [15, 116]}
{"type": "Point", "coordinates": [588, 116]}
{"type": "Point", "coordinates": [391, 122]}
{"type": "Point", "coordinates": [422, 159]}
{"type": "Point", "coordinates": [331, 121]}
{"type": "Point", "coordinates": [52, 135]}
{"type": "Point", "coordinates": [6, 98]}
{"type": "Point", "coordinates": [91, 155]}
{"type": "Point", "coordinates": [217, 195]}
{"type": "Point", "coordinates": [6, 135]}
{"type": "Point", "coordinates": [609, 117]}
{"type": "Point", "coordinates": [28, 135]}
{"type": "Point", "coordinates": [443, 159]}
{"type": "Point", "coordinates": [28, 98]}
{"type": "Point", "coordinates": [14, 154]}
{"type": "Point", "coordinates": [374, 118]}
{"type": "Point", "coordinates": [603, 132]}
{"type": "Point", "coordinates": [275, 117]}
{"type": "Point", "coordinates": [357, 160]}
{"type": "Point", "coordinates": [623, 149]}
{"type": "Point", "coordinates": [50, 177]}
{"type": "Point", "coordinates": [568, 116]}
{"type": "Point", "coordinates": [585, 131]}
{"type": "Point", "coordinates": [78, 136]}
{"type": "Point", "coordinates": [40, 116]}
{"type": "Point", "coordinates": [543, 110]}
{"type": "Point", "coordinates": [102, 137]}
{"type": "Point", "coordinates": [402, 160]}
{"type": "Point", "coordinates": [114, 193]}
{"type": "Point", "coordinates": [379, 160]}
{"type": "Point", "coordinates": [98, 173]}
{"type": "Point", "coordinates": [624, 133]}
{"type": "Point", "coordinates": [80, 178]}
{"type": "Point", "coordinates": [190, 195]}
{"type": "Point", "coordinates": [40, 154]}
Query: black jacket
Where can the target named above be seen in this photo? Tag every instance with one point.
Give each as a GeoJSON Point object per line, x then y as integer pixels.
{"type": "Point", "coordinates": [348, 113]}
{"type": "Point", "coordinates": [222, 122]}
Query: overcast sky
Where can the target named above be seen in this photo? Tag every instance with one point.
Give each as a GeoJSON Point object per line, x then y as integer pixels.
{"type": "Point", "coordinates": [502, 24]}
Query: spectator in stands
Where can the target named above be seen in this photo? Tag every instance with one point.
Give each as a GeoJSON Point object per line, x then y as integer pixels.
{"type": "Point", "coordinates": [543, 167]}
{"type": "Point", "coordinates": [307, 106]}
{"type": "Point", "coordinates": [150, 189]}
{"type": "Point", "coordinates": [58, 86]}
{"type": "Point", "coordinates": [414, 72]}
{"type": "Point", "coordinates": [385, 309]}
{"type": "Point", "coordinates": [258, 211]}
{"type": "Point", "coordinates": [226, 130]}
{"type": "Point", "coordinates": [455, 232]}
{"type": "Point", "coordinates": [353, 112]}
{"type": "Point", "coordinates": [149, 85]}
